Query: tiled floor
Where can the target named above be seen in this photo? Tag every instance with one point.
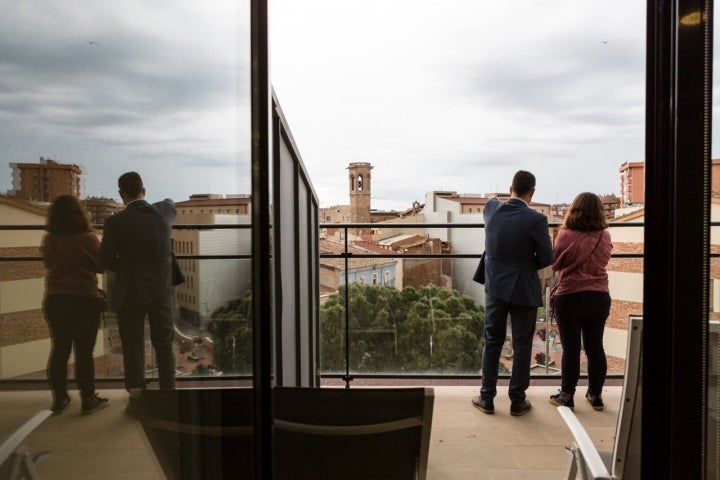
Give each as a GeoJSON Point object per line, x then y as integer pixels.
{"type": "Point", "coordinates": [465, 443]}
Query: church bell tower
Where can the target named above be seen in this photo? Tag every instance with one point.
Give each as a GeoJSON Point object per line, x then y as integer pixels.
{"type": "Point", "coordinates": [360, 188]}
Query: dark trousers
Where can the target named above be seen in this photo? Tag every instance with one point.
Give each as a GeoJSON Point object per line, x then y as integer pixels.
{"type": "Point", "coordinates": [131, 324]}
{"type": "Point", "coordinates": [522, 320]}
{"type": "Point", "coordinates": [73, 321]}
{"type": "Point", "coordinates": [582, 315]}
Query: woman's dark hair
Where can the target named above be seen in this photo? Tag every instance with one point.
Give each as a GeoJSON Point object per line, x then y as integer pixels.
{"type": "Point", "coordinates": [586, 214]}
{"type": "Point", "coordinates": [67, 215]}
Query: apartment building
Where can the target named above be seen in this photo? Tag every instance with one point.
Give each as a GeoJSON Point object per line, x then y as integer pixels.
{"type": "Point", "coordinates": [99, 208]}
{"type": "Point", "coordinates": [211, 282]}
{"type": "Point", "coordinates": [43, 181]}
{"type": "Point", "coordinates": [632, 181]}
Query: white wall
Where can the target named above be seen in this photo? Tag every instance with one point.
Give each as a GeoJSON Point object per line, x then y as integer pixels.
{"type": "Point", "coordinates": [20, 238]}
{"type": "Point", "coordinates": [626, 286]}
{"type": "Point", "coordinates": [463, 240]}
{"type": "Point", "coordinates": [627, 234]}
{"type": "Point", "coordinates": [30, 357]}
{"type": "Point", "coordinates": [24, 358]}
{"type": "Point", "coordinates": [615, 342]}
{"type": "Point", "coordinates": [222, 280]}
{"type": "Point", "coordinates": [21, 295]}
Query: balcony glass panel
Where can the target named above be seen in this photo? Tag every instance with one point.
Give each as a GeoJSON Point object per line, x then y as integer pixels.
{"type": "Point", "coordinates": [413, 314]}
{"type": "Point", "coordinates": [161, 89]}
{"type": "Point", "coordinates": [426, 319]}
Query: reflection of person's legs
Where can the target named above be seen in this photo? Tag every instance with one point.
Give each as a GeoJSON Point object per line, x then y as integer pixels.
{"type": "Point", "coordinates": [523, 328]}
{"type": "Point", "coordinates": [162, 334]}
{"type": "Point", "coordinates": [131, 325]}
{"type": "Point", "coordinates": [85, 333]}
{"type": "Point", "coordinates": [593, 327]}
{"type": "Point", "coordinates": [496, 311]}
{"type": "Point", "coordinates": [56, 314]}
{"type": "Point", "coordinates": [569, 322]}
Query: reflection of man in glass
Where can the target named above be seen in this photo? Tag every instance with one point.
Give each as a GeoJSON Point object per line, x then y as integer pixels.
{"type": "Point", "coordinates": [136, 245]}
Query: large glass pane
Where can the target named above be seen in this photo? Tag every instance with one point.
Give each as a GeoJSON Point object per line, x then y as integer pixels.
{"type": "Point", "coordinates": [93, 90]}
{"type": "Point", "coordinates": [444, 102]}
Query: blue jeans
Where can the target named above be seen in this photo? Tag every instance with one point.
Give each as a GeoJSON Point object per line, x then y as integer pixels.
{"type": "Point", "coordinates": [522, 320]}
{"type": "Point", "coordinates": [582, 315]}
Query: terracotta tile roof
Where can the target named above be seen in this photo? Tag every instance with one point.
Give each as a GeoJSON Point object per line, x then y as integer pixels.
{"type": "Point", "coordinates": [335, 248]}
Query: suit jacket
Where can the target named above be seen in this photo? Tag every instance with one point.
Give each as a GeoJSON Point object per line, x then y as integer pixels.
{"type": "Point", "coordinates": [517, 245]}
{"type": "Point", "coordinates": [136, 244]}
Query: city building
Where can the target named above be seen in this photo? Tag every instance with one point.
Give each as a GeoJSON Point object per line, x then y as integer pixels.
{"type": "Point", "coordinates": [632, 181]}
{"type": "Point", "coordinates": [611, 203]}
{"type": "Point", "coordinates": [43, 181]}
{"type": "Point", "coordinates": [211, 282]}
{"type": "Point", "coordinates": [360, 209]}
{"type": "Point", "coordinates": [100, 208]}
{"type": "Point", "coordinates": [414, 272]}
{"type": "Point", "coordinates": [369, 271]}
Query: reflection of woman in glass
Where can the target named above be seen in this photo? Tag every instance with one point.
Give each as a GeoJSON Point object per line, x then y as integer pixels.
{"type": "Point", "coordinates": [73, 302]}
{"type": "Point", "coordinates": [582, 299]}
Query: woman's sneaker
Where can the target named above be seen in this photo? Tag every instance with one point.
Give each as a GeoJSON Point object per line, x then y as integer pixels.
{"type": "Point", "coordinates": [93, 403]}
{"type": "Point", "coordinates": [59, 404]}
{"type": "Point", "coordinates": [595, 401]}
{"type": "Point", "coordinates": [562, 399]}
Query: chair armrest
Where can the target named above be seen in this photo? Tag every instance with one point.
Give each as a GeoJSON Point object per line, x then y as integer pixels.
{"type": "Point", "coordinates": [18, 436]}
{"type": "Point", "coordinates": [589, 457]}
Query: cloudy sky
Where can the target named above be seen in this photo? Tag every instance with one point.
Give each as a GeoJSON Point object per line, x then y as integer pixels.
{"type": "Point", "coordinates": [161, 87]}
{"type": "Point", "coordinates": [452, 94]}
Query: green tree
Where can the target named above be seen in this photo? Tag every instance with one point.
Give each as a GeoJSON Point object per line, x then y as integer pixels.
{"type": "Point", "coordinates": [231, 330]}
{"type": "Point", "coordinates": [429, 329]}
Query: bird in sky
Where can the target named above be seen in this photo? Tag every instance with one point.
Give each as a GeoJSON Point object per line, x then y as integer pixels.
{"type": "Point", "coordinates": [605, 42]}
{"type": "Point", "coordinates": [91, 42]}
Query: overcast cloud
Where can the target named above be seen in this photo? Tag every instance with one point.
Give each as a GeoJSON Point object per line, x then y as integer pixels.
{"type": "Point", "coordinates": [454, 95]}
{"type": "Point", "coordinates": [459, 95]}
{"type": "Point", "coordinates": [160, 87]}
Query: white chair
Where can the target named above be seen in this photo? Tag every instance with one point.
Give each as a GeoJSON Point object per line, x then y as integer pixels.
{"type": "Point", "coordinates": [623, 462]}
{"type": "Point", "coordinates": [15, 459]}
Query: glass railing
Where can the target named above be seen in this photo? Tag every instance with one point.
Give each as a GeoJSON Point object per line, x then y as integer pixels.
{"type": "Point", "coordinates": [384, 310]}
{"type": "Point", "coordinates": [418, 314]}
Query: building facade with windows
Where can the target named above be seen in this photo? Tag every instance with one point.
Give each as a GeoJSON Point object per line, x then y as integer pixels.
{"type": "Point", "coordinates": [210, 283]}
{"type": "Point", "coordinates": [44, 181]}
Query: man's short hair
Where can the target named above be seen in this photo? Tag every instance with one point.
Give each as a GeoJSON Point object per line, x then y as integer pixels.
{"type": "Point", "coordinates": [523, 182]}
{"type": "Point", "coordinates": [130, 183]}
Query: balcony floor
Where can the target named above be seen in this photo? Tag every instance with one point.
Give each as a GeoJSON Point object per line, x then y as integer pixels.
{"type": "Point", "coordinates": [465, 443]}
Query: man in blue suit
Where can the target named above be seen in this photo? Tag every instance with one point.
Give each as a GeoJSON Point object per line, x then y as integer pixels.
{"type": "Point", "coordinates": [517, 245]}
{"type": "Point", "coordinates": [136, 245]}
